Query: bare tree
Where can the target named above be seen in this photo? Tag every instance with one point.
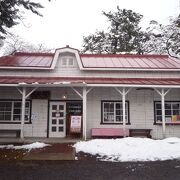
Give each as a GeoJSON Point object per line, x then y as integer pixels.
{"type": "Point", "coordinates": [15, 43]}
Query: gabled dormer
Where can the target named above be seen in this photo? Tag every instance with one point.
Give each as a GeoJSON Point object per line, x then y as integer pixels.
{"type": "Point", "coordinates": [66, 58]}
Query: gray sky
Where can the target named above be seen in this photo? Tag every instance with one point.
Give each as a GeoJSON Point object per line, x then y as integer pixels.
{"type": "Point", "coordinates": [65, 22]}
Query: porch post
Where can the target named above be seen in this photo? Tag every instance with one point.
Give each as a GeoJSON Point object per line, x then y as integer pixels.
{"type": "Point", "coordinates": [163, 112]}
{"type": "Point", "coordinates": [84, 112]}
{"type": "Point", "coordinates": [23, 111]}
{"type": "Point", "coordinates": [162, 93]}
{"type": "Point", "coordinates": [123, 94]}
{"type": "Point", "coordinates": [124, 111]}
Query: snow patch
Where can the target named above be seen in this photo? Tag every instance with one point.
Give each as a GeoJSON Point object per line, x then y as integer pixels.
{"type": "Point", "coordinates": [26, 146]}
{"type": "Point", "coordinates": [131, 149]}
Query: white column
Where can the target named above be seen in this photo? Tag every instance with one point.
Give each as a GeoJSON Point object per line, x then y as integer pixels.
{"type": "Point", "coordinates": [84, 98]}
{"type": "Point", "coordinates": [123, 93]}
{"type": "Point", "coordinates": [23, 111]}
{"type": "Point", "coordinates": [162, 93]}
{"type": "Point", "coordinates": [124, 111]}
{"type": "Point", "coordinates": [163, 112]}
{"type": "Point", "coordinates": [84, 112]}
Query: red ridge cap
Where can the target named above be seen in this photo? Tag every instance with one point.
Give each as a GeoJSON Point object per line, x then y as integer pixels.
{"type": "Point", "coordinates": [33, 54]}
{"type": "Point", "coordinates": [125, 55]}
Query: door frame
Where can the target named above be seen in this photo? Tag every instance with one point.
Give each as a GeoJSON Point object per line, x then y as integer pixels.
{"type": "Point", "coordinates": [48, 125]}
{"type": "Point", "coordinates": [48, 110]}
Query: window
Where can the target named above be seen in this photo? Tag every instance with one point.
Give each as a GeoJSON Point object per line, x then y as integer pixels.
{"type": "Point", "coordinates": [172, 112]}
{"type": "Point", "coordinates": [67, 61]}
{"type": "Point", "coordinates": [112, 112]}
{"type": "Point", "coordinates": [10, 111]}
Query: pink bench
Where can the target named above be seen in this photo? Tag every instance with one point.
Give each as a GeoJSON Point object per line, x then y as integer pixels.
{"type": "Point", "coordinates": [108, 132]}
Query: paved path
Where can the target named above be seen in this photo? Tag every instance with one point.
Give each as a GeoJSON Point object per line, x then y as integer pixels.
{"type": "Point", "coordinates": [89, 170]}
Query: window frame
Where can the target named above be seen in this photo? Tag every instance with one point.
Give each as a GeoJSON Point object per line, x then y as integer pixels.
{"type": "Point", "coordinates": [12, 111]}
{"type": "Point", "coordinates": [68, 60]}
{"type": "Point", "coordinates": [170, 116]}
{"type": "Point", "coordinates": [114, 123]}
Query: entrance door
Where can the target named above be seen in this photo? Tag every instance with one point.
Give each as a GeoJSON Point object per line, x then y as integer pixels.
{"type": "Point", "coordinates": [57, 119]}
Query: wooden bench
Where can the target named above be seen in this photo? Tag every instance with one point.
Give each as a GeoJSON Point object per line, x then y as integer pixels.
{"type": "Point", "coordinates": [108, 132]}
{"type": "Point", "coordinates": [9, 132]}
{"type": "Point", "coordinates": [140, 133]}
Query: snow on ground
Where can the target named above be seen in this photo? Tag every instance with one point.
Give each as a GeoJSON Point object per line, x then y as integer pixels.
{"type": "Point", "coordinates": [131, 149]}
{"type": "Point", "coordinates": [26, 146]}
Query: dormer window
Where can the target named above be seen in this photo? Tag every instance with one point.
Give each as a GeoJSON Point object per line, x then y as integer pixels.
{"type": "Point", "coordinates": [67, 61]}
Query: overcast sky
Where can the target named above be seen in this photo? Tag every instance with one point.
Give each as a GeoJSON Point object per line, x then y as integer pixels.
{"type": "Point", "coordinates": [65, 22]}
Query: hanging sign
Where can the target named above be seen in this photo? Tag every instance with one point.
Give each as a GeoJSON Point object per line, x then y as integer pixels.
{"type": "Point", "coordinates": [75, 126]}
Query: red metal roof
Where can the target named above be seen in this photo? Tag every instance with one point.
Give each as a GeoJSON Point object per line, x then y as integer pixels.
{"type": "Point", "coordinates": [93, 61]}
{"type": "Point", "coordinates": [87, 80]}
{"type": "Point", "coordinates": [129, 61]}
{"type": "Point", "coordinates": [41, 60]}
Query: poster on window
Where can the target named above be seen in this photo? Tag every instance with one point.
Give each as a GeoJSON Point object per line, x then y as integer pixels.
{"type": "Point", "coordinates": [75, 126]}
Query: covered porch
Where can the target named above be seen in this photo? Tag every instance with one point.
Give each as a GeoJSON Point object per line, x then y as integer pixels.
{"type": "Point", "coordinates": [141, 95]}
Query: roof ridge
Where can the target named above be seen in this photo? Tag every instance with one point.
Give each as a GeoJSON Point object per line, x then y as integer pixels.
{"type": "Point", "coordinates": [34, 53]}
{"type": "Point", "coordinates": [125, 55]}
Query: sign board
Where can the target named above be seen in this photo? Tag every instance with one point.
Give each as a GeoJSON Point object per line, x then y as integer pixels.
{"type": "Point", "coordinates": [75, 126]}
{"type": "Point", "coordinates": [74, 108]}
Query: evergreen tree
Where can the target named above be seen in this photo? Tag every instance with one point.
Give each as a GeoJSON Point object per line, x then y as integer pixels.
{"type": "Point", "coordinates": [123, 35]}
{"type": "Point", "coordinates": [164, 39]}
{"type": "Point", "coordinates": [10, 12]}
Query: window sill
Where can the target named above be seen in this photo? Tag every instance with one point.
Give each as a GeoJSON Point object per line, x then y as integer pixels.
{"type": "Point", "coordinates": [15, 123]}
{"type": "Point", "coordinates": [168, 123]}
{"type": "Point", "coordinates": [114, 123]}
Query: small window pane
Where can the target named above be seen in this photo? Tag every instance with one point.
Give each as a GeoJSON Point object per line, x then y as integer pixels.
{"type": "Point", "coordinates": [61, 107]}
{"type": "Point", "coordinates": [17, 104]}
{"type": "Point", "coordinates": [167, 112]}
{"type": "Point", "coordinates": [118, 112]}
{"type": "Point", "coordinates": [26, 117]}
{"type": "Point", "coordinates": [17, 111]}
{"type": "Point", "coordinates": [61, 114]}
{"type": "Point", "coordinates": [70, 61]}
{"type": "Point", "coordinates": [109, 117]}
{"type": "Point", "coordinates": [176, 106]}
{"type": "Point", "coordinates": [16, 117]}
{"type": "Point", "coordinates": [27, 104]}
{"type": "Point", "coordinates": [54, 114]}
{"type": "Point", "coordinates": [159, 118]}
{"type": "Point", "coordinates": [167, 106]}
{"type": "Point", "coordinates": [61, 129]}
{"type": "Point", "coordinates": [54, 121]}
{"type": "Point", "coordinates": [61, 121]}
{"type": "Point", "coordinates": [54, 107]}
{"type": "Point", "coordinates": [64, 61]}
{"type": "Point", "coordinates": [158, 106]}
{"type": "Point", "coordinates": [175, 112]}
{"type": "Point", "coordinates": [1, 116]}
{"type": "Point", "coordinates": [119, 118]}
{"type": "Point", "coordinates": [53, 129]}
{"type": "Point", "coordinates": [7, 117]}
{"type": "Point", "coordinates": [158, 112]}
{"type": "Point", "coordinates": [118, 106]}
{"type": "Point", "coordinates": [109, 107]}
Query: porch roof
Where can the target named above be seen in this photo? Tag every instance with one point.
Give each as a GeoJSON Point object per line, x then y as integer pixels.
{"type": "Point", "coordinates": [69, 81]}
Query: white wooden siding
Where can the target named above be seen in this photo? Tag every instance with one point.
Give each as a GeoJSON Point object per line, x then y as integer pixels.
{"type": "Point", "coordinates": [141, 104]}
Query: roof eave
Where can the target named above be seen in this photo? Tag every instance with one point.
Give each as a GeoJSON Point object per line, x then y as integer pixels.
{"type": "Point", "coordinates": [130, 69]}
